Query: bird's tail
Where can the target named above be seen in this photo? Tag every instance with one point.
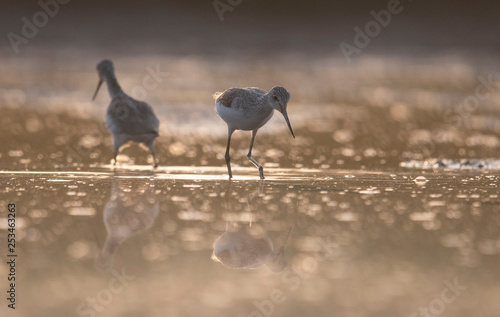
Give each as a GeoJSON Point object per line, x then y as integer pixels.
{"type": "Point", "coordinates": [217, 95]}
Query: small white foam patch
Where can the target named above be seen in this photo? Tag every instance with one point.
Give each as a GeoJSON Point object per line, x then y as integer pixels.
{"type": "Point", "coordinates": [451, 164]}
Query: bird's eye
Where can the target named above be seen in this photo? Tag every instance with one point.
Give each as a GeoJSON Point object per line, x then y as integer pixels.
{"type": "Point", "coordinates": [275, 98]}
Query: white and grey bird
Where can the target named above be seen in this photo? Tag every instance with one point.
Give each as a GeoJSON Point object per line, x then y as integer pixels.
{"type": "Point", "coordinates": [248, 109]}
{"type": "Point", "coordinates": [126, 118]}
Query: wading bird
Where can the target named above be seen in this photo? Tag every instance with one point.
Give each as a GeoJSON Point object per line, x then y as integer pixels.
{"type": "Point", "coordinates": [126, 118]}
{"type": "Point", "coordinates": [249, 109]}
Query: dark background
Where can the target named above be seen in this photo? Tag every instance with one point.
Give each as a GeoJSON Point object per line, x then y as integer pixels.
{"type": "Point", "coordinates": [257, 26]}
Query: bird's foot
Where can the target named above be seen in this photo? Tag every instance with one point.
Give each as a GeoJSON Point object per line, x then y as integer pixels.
{"type": "Point", "coordinates": [261, 172]}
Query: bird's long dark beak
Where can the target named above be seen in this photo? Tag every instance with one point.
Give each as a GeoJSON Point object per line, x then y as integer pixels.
{"type": "Point", "coordinates": [288, 122]}
{"type": "Point", "coordinates": [97, 90]}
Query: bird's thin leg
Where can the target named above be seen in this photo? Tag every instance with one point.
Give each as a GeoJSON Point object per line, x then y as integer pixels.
{"type": "Point", "coordinates": [152, 149]}
{"type": "Point", "coordinates": [261, 169]}
{"type": "Point", "coordinates": [227, 157]}
{"type": "Point", "coordinates": [117, 143]}
{"type": "Point", "coordinates": [117, 148]}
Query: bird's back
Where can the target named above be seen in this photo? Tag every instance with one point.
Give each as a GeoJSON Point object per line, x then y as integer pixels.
{"type": "Point", "coordinates": [240, 97]}
{"type": "Point", "coordinates": [126, 115]}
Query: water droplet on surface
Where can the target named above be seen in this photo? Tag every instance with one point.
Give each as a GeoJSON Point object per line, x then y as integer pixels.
{"type": "Point", "coordinates": [16, 153]}
{"type": "Point", "coordinates": [191, 186]}
{"type": "Point", "coordinates": [80, 211]}
{"type": "Point", "coordinates": [422, 216]}
{"type": "Point", "coordinates": [437, 203]}
{"type": "Point", "coordinates": [347, 216]}
{"type": "Point", "coordinates": [370, 191]}
{"type": "Point", "coordinates": [420, 180]}
{"type": "Point", "coordinates": [78, 249]}
{"type": "Point", "coordinates": [343, 136]}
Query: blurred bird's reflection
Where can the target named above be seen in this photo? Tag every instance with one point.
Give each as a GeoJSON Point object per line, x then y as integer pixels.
{"type": "Point", "coordinates": [246, 245]}
{"type": "Point", "coordinates": [131, 209]}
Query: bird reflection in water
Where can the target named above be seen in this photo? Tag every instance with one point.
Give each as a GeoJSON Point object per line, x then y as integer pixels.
{"type": "Point", "coordinates": [245, 245]}
{"type": "Point", "coordinates": [131, 209]}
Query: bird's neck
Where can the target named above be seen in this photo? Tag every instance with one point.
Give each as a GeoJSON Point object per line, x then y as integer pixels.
{"type": "Point", "coordinates": [114, 88]}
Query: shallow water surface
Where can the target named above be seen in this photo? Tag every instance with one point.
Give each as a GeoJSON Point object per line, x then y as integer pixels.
{"type": "Point", "coordinates": [128, 242]}
{"type": "Point", "coordinates": [385, 204]}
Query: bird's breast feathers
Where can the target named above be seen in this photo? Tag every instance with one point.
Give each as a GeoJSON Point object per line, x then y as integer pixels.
{"type": "Point", "coordinates": [244, 118]}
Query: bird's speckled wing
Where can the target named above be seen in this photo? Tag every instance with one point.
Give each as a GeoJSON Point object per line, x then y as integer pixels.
{"type": "Point", "coordinates": [129, 116]}
{"type": "Point", "coordinates": [227, 97]}
{"type": "Point", "coordinates": [244, 108]}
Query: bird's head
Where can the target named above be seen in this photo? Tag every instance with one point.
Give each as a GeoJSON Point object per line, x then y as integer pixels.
{"type": "Point", "coordinates": [104, 69]}
{"type": "Point", "coordinates": [279, 98]}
